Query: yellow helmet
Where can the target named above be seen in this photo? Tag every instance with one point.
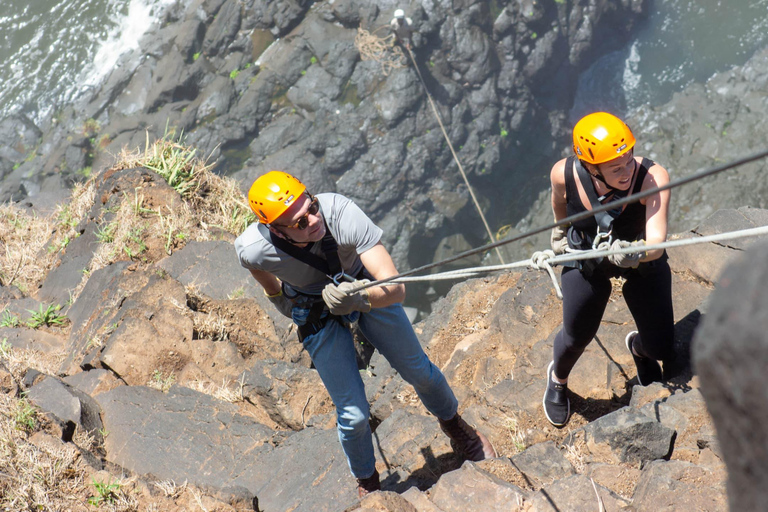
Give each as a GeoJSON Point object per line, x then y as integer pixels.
{"type": "Point", "coordinates": [273, 193]}
{"type": "Point", "coordinates": [601, 137]}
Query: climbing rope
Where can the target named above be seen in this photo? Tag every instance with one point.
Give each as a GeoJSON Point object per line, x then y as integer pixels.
{"type": "Point", "coordinates": [543, 260]}
{"type": "Point", "coordinates": [569, 220]}
{"type": "Point", "coordinates": [381, 49]}
{"type": "Point", "coordinates": [453, 152]}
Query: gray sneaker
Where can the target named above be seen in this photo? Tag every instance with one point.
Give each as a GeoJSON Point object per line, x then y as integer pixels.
{"type": "Point", "coordinates": [557, 406]}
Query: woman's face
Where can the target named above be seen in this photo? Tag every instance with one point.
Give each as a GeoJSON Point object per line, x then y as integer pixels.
{"type": "Point", "coordinates": [618, 172]}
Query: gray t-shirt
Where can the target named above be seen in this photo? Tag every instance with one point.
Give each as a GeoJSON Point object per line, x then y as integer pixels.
{"type": "Point", "coordinates": [354, 232]}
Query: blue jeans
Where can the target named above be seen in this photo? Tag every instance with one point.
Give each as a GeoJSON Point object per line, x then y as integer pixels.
{"type": "Point", "coordinates": [333, 353]}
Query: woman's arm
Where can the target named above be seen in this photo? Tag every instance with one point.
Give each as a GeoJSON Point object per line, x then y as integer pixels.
{"type": "Point", "coordinates": [557, 180]}
{"type": "Point", "coordinates": [656, 210]}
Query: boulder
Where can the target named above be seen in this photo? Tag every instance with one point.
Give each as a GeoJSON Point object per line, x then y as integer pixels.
{"type": "Point", "coordinates": [627, 435]}
{"type": "Point", "coordinates": [730, 350]}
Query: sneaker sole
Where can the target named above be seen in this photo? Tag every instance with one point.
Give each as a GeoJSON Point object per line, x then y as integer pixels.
{"type": "Point", "coordinates": [544, 400]}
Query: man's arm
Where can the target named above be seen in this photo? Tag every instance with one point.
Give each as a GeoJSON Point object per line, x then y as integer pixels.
{"type": "Point", "coordinates": [270, 283]}
{"type": "Point", "coordinates": [379, 263]}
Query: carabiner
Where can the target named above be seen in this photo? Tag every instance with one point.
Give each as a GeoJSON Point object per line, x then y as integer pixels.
{"type": "Point", "coordinates": [341, 275]}
{"type": "Point", "coordinates": [599, 237]}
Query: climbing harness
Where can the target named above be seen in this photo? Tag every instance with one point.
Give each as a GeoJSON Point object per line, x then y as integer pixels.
{"type": "Point", "coordinates": [331, 266]}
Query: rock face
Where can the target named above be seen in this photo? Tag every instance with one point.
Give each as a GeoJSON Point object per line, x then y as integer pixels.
{"type": "Point", "coordinates": [175, 384]}
{"type": "Point", "coordinates": [730, 351]}
{"type": "Point", "coordinates": [278, 85]}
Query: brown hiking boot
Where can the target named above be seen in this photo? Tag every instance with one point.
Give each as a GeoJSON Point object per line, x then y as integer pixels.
{"type": "Point", "coordinates": [466, 441]}
{"type": "Point", "coordinates": [366, 486]}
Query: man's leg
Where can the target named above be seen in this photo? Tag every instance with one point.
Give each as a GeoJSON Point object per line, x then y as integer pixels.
{"type": "Point", "coordinates": [389, 330]}
{"type": "Point", "coordinates": [333, 353]}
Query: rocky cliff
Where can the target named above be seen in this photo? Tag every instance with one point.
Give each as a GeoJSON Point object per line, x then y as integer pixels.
{"type": "Point", "coordinates": [294, 85]}
{"type": "Point", "coordinates": [177, 370]}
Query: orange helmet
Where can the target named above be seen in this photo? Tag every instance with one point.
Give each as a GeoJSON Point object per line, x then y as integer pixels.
{"type": "Point", "coordinates": [273, 193]}
{"type": "Point", "coordinates": [601, 137]}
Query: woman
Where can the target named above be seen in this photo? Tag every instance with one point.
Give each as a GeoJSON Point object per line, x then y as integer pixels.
{"type": "Point", "coordinates": [604, 169]}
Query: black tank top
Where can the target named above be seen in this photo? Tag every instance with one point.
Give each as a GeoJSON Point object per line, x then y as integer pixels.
{"type": "Point", "coordinates": [628, 225]}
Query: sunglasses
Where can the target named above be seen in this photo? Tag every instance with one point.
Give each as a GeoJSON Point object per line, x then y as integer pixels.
{"type": "Point", "coordinates": [303, 222]}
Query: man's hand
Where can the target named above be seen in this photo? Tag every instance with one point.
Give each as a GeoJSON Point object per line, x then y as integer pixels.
{"type": "Point", "coordinates": [559, 239]}
{"type": "Point", "coordinates": [282, 303]}
{"type": "Point", "coordinates": [341, 302]}
{"type": "Point", "coordinates": [627, 260]}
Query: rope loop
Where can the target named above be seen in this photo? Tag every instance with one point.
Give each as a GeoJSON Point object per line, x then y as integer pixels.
{"type": "Point", "coordinates": [540, 261]}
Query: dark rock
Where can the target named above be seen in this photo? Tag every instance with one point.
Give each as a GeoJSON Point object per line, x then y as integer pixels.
{"type": "Point", "coordinates": [179, 436]}
{"type": "Point", "coordinates": [213, 269]}
{"type": "Point", "coordinates": [67, 405]}
{"type": "Point", "coordinates": [293, 397]}
{"type": "Point", "coordinates": [627, 435]}
{"type": "Point", "coordinates": [410, 441]}
{"type": "Point", "coordinates": [729, 353]}
{"type": "Point", "coordinates": [576, 492]}
{"type": "Point", "coordinates": [93, 382]}
{"type": "Point", "coordinates": [542, 463]}
{"type": "Point", "coordinates": [224, 27]}
{"type": "Point", "coordinates": [471, 488]}
{"type": "Point", "coordinates": [678, 485]}
{"type": "Point", "coordinates": [62, 280]}
{"type": "Point", "coordinates": [384, 500]}
{"type": "Point", "coordinates": [308, 471]}
{"type": "Point", "coordinates": [30, 339]}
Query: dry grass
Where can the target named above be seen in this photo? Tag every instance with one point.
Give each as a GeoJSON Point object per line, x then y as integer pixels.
{"type": "Point", "coordinates": [30, 243]}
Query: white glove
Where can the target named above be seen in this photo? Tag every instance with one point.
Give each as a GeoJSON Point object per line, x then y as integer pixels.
{"type": "Point", "coordinates": [283, 304]}
{"type": "Point", "coordinates": [559, 239]}
{"type": "Point", "coordinates": [341, 302]}
{"type": "Point", "coordinates": [627, 260]}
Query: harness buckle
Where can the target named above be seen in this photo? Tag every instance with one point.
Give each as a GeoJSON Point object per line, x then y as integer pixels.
{"type": "Point", "coordinates": [601, 237]}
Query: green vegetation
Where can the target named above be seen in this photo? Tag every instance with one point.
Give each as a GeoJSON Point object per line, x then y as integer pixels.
{"type": "Point", "coordinates": [162, 382]}
{"type": "Point", "coordinates": [9, 320]}
{"type": "Point", "coordinates": [25, 416]}
{"type": "Point", "coordinates": [196, 56]}
{"type": "Point", "coordinates": [105, 493]}
{"type": "Point", "coordinates": [46, 316]}
{"type": "Point", "coordinates": [233, 74]}
{"type": "Point", "coordinates": [502, 131]}
{"type": "Point", "coordinates": [313, 60]}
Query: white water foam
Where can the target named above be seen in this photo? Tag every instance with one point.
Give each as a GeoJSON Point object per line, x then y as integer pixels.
{"type": "Point", "coordinates": [124, 37]}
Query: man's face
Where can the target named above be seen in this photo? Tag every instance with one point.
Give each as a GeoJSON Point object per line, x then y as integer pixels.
{"type": "Point", "coordinates": [303, 213]}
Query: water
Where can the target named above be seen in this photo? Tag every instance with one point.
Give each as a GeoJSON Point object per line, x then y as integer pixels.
{"type": "Point", "coordinates": [51, 49]}
{"type": "Point", "coordinates": [682, 42]}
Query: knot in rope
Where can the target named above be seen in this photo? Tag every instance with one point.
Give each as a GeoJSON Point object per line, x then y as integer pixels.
{"type": "Point", "coordinates": [540, 261]}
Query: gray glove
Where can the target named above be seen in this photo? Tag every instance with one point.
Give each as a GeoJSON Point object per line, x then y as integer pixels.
{"type": "Point", "coordinates": [338, 300]}
{"type": "Point", "coordinates": [283, 304]}
{"type": "Point", "coordinates": [559, 239]}
{"type": "Point", "coordinates": [627, 260]}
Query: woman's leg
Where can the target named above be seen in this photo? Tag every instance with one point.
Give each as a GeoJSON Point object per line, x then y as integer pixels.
{"type": "Point", "coordinates": [648, 293]}
{"type": "Point", "coordinates": [584, 301]}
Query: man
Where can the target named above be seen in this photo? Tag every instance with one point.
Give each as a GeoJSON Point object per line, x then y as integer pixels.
{"type": "Point", "coordinates": [402, 27]}
{"type": "Point", "coordinates": [312, 254]}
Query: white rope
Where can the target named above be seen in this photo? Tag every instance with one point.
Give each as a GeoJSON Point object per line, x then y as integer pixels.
{"type": "Point", "coordinates": [543, 260]}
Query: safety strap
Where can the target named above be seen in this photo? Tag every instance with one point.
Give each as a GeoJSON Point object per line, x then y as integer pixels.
{"type": "Point", "coordinates": [330, 265]}
{"type": "Point", "coordinates": [604, 219]}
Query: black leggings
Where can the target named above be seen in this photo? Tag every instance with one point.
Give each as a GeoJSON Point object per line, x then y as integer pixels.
{"type": "Point", "coordinates": [648, 293]}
